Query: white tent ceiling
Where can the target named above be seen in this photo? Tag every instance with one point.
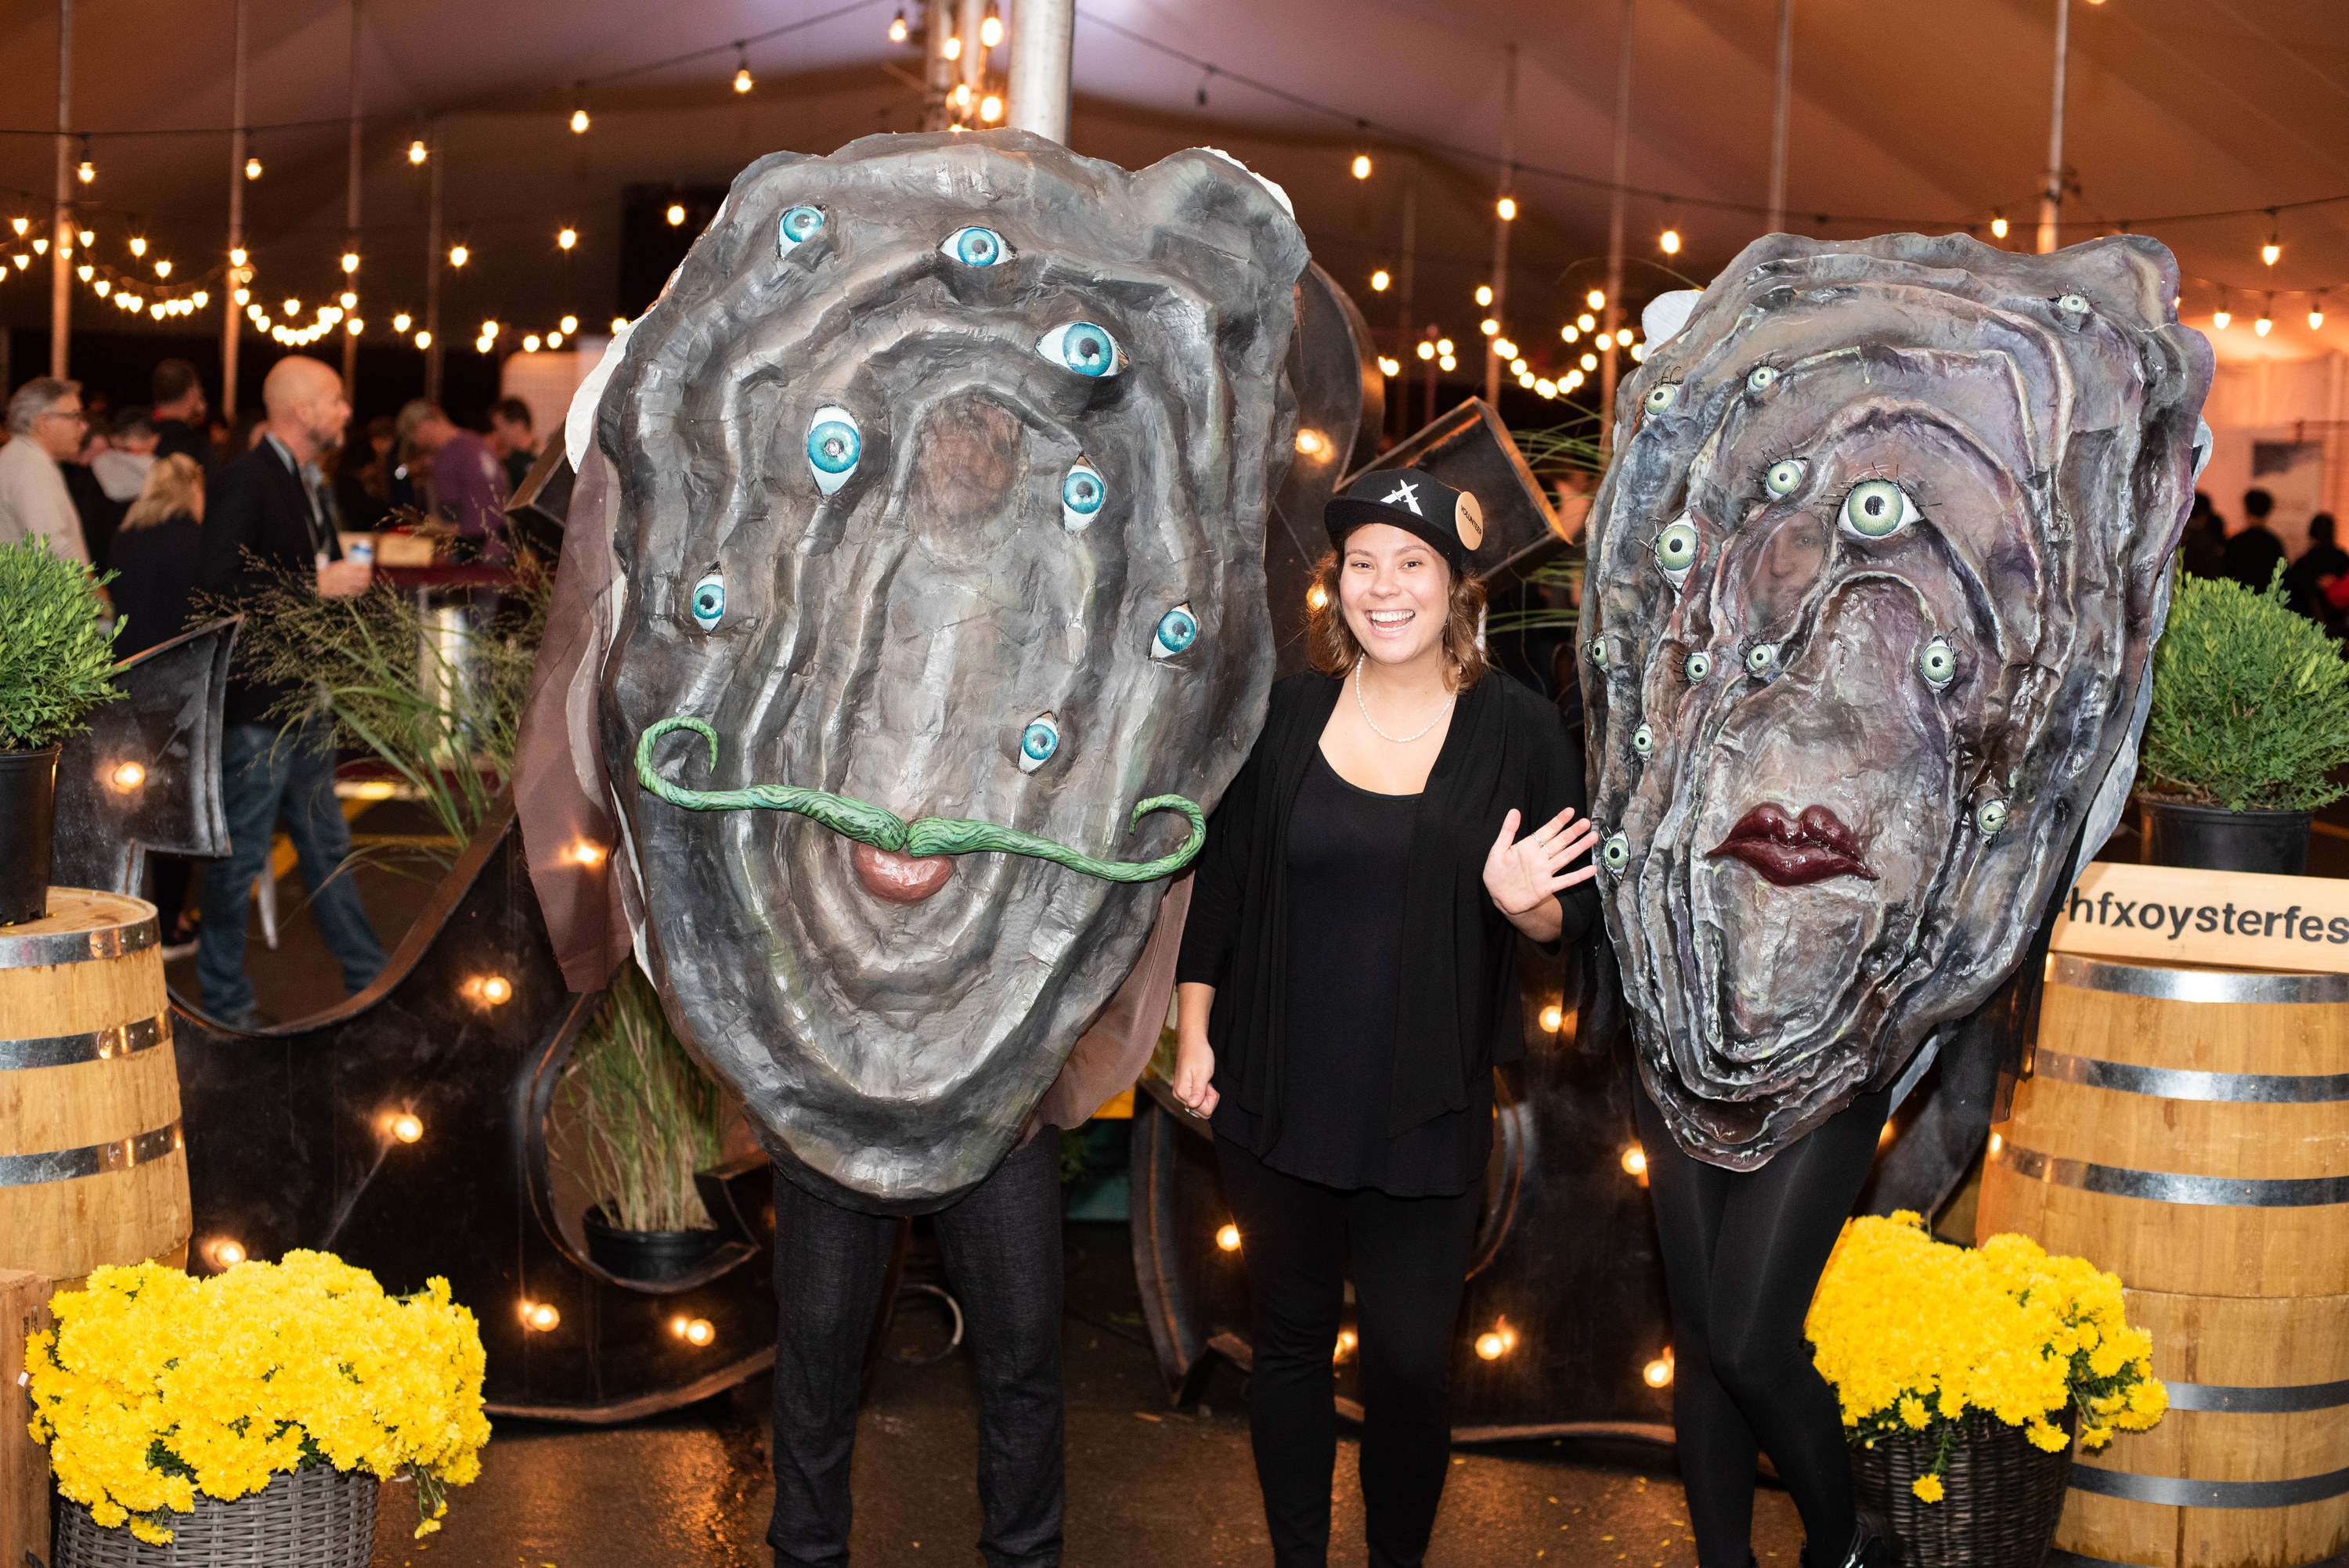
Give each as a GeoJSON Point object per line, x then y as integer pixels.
{"type": "Point", "coordinates": [1907, 113]}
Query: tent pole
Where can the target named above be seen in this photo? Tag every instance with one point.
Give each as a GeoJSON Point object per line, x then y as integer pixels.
{"type": "Point", "coordinates": [61, 238]}
{"type": "Point", "coordinates": [1501, 228]}
{"type": "Point", "coordinates": [1405, 266]}
{"type": "Point", "coordinates": [351, 220]}
{"type": "Point", "coordinates": [1780, 114]}
{"type": "Point", "coordinates": [432, 260]}
{"type": "Point", "coordinates": [1614, 309]}
{"type": "Point", "coordinates": [938, 78]}
{"type": "Point", "coordinates": [232, 312]}
{"type": "Point", "coordinates": [2051, 199]}
{"type": "Point", "coordinates": [1043, 37]}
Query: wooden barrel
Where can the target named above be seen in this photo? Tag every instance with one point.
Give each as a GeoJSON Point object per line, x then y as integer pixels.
{"type": "Point", "coordinates": [2189, 1131]}
{"type": "Point", "coordinates": [92, 1169]}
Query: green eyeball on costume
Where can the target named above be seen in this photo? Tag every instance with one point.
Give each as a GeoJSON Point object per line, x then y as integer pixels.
{"type": "Point", "coordinates": [1038, 741]}
{"type": "Point", "coordinates": [1598, 651]}
{"type": "Point", "coordinates": [1875, 508]}
{"type": "Point", "coordinates": [1699, 665]}
{"type": "Point", "coordinates": [1659, 398]}
{"type": "Point", "coordinates": [1938, 662]}
{"type": "Point", "coordinates": [1643, 740]}
{"type": "Point", "coordinates": [833, 445]}
{"type": "Point", "coordinates": [796, 228]}
{"type": "Point", "coordinates": [2073, 305]}
{"type": "Point", "coordinates": [975, 247]}
{"type": "Point", "coordinates": [1784, 476]}
{"type": "Point", "coordinates": [1081, 346]}
{"type": "Point", "coordinates": [1761, 376]}
{"type": "Point", "coordinates": [1616, 852]}
{"type": "Point", "coordinates": [1177, 630]}
{"type": "Point", "coordinates": [1761, 658]}
{"type": "Point", "coordinates": [1082, 491]}
{"type": "Point", "coordinates": [1676, 550]}
{"type": "Point", "coordinates": [708, 601]}
{"type": "Point", "coordinates": [1989, 816]}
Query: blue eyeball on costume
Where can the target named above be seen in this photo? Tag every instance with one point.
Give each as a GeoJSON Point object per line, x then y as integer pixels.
{"type": "Point", "coordinates": [796, 228]}
{"type": "Point", "coordinates": [1082, 493]}
{"type": "Point", "coordinates": [708, 603]}
{"type": "Point", "coordinates": [1038, 741]}
{"type": "Point", "coordinates": [1081, 346]}
{"type": "Point", "coordinates": [1177, 630]}
{"type": "Point", "coordinates": [833, 445]}
{"type": "Point", "coordinates": [975, 247]}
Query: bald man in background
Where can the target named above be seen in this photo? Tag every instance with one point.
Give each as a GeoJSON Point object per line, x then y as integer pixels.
{"type": "Point", "coordinates": [270, 514]}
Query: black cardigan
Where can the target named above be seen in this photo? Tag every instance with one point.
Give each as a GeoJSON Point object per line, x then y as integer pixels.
{"type": "Point", "coordinates": [1457, 1016]}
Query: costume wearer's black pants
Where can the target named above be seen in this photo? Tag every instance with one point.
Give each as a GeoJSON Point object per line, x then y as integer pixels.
{"type": "Point", "coordinates": [1742, 1254]}
{"type": "Point", "coordinates": [1408, 1258]}
{"type": "Point", "coordinates": [1001, 1246]}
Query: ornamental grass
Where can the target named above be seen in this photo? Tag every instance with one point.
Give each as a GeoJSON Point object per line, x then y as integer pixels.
{"type": "Point", "coordinates": [1914, 1332]}
{"type": "Point", "coordinates": [155, 1385]}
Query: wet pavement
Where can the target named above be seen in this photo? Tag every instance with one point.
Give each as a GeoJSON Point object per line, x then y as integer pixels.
{"type": "Point", "coordinates": [1148, 1486]}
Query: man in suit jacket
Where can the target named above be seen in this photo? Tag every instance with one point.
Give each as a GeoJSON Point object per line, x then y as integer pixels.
{"type": "Point", "coordinates": [268, 516]}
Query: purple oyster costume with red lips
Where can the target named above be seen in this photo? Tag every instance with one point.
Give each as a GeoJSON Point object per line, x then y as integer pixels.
{"type": "Point", "coordinates": [1873, 585]}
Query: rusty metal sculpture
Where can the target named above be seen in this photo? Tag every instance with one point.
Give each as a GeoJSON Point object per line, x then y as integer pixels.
{"type": "Point", "coordinates": [936, 486]}
{"type": "Point", "coordinates": [1874, 582]}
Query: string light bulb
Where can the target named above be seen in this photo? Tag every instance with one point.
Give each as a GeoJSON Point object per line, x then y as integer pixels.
{"type": "Point", "coordinates": [619, 325]}
{"type": "Point", "coordinates": [406, 1127]}
{"type": "Point", "coordinates": [952, 48]}
{"type": "Point", "coordinates": [88, 171]}
{"type": "Point", "coordinates": [1658, 1374]}
{"type": "Point", "coordinates": [1635, 1162]}
{"type": "Point", "coordinates": [128, 775]}
{"type": "Point", "coordinates": [423, 340]}
{"type": "Point", "coordinates": [224, 1252]}
{"type": "Point", "coordinates": [1508, 207]}
{"type": "Point", "coordinates": [85, 272]}
{"type": "Point", "coordinates": [2221, 317]}
{"type": "Point", "coordinates": [570, 323]}
{"type": "Point", "coordinates": [1390, 367]}
{"type": "Point", "coordinates": [1553, 1018]}
{"type": "Point", "coordinates": [1489, 327]}
{"type": "Point", "coordinates": [1670, 242]}
{"type": "Point", "coordinates": [675, 215]}
{"type": "Point", "coordinates": [21, 225]}
{"type": "Point", "coordinates": [2316, 312]}
{"type": "Point", "coordinates": [459, 255]}
{"type": "Point", "coordinates": [1380, 279]}
{"type": "Point", "coordinates": [347, 299]}
{"type": "Point", "coordinates": [990, 27]}
{"type": "Point", "coordinates": [1443, 346]}
{"type": "Point", "coordinates": [898, 31]}
{"type": "Point", "coordinates": [2263, 325]}
{"type": "Point", "coordinates": [418, 152]}
{"type": "Point", "coordinates": [1596, 300]}
{"type": "Point", "coordinates": [1484, 293]}
{"type": "Point", "coordinates": [1426, 349]}
{"type": "Point", "coordinates": [742, 69]}
{"type": "Point", "coordinates": [990, 109]}
{"type": "Point", "coordinates": [530, 343]}
{"type": "Point", "coordinates": [693, 1331]}
{"type": "Point", "coordinates": [85, 236]}
{"type": "Point", "coordinates": [2272, 250]}
{"type": "Point", "coordinates": [199, 299]}
{"type": "Point", "coordinates": [579, 120]}
{"type": "Point", "coordinates": [540, 1316]}
{"type": "Point", "coordinates": [1361, 166]}
{"type": "Point", "coordinates": [351, 261]}
{"type": "Point", "coordinates": [137, 245]}
{"type": "Point", "coordinates": [399, 322]}
{"type": "Point", "coordinates": [1447, 363]}
{"type": "Point", "coordinates": [962, 95]}
{"type": "Point", "coordinates": [252, 167]}
{"type": "Point", "coordinates": [103, 287]}
{"type": "Point", "coordinates": [236, 257]}
{"type": "Point", "coordinates": [568, 238]}
{"type": "Point", "coordinates": [1997, 224]}
{"type": "Point", "coordinates": [1228, 1237]}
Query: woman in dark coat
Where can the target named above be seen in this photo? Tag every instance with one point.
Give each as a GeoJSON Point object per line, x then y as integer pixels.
{"type": "Point", "coordinates": [156, 557]}
{"type": "Point", "coordinates": [1346, 987]}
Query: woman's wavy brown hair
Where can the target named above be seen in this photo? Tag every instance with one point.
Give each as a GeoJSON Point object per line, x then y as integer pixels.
{"type": "Point", "coordinates": [1332, 647]}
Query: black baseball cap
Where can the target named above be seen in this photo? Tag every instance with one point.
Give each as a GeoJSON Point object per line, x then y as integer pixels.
{"type": "Point", "coordinates": [1415, 501]}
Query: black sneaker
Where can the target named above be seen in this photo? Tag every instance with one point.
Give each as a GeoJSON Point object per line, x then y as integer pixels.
{"type": "Point", "coordinates": [1873, 1545]}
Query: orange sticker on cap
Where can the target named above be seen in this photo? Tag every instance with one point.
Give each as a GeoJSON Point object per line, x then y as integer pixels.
{"type": "Point", "coordinates": [1468, 520]}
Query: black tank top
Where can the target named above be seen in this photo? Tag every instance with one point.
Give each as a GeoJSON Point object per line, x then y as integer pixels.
{"type": "Point", "coordinates": [1347, 852]}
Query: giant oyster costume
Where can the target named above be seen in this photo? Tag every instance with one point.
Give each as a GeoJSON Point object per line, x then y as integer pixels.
{"type": "Point", "coordinates": [1874, 582]}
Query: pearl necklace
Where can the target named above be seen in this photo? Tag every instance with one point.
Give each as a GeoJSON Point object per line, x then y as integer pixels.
{"type": "Point", "coordinates": [1383, 735]}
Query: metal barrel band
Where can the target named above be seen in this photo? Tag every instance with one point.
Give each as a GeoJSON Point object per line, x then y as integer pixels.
{"type": "Point", "coordinates": [37, 950]}
{"type": "Point", "coordinates": [2185, 1492]}
{"type": "Point", "coordinates": [2059, 1558]}
{"type": "Point", "coordinates": [2162, 984]}
{"type": "Point", "coordinates": [2171, 1187]}
{"type": "Point", "coordinates": [91, 1159]}
{"type": "Point", "coordinates": [97, 1046]}
{"type": "Point", "coordinates": [2281, 1399]}
{"type": "Point", "coordinates": [2174, 1083]}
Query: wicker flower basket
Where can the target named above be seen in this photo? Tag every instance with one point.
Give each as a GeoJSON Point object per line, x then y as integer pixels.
{"type": "Point", "coordinates": [315, 1518]}
{"type": "Point", "coordinates": [2002, 1500]}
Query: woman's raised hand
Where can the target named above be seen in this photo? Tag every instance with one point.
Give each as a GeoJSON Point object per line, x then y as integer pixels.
{"type": "Point", "coordinates": [1522, 874]}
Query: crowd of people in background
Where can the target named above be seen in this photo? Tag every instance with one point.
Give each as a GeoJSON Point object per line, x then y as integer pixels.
{"type": "Point", "coordinates": [185, 509]}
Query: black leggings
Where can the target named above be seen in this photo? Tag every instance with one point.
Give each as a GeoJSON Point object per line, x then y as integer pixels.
{"type": "Point", "coordinates": [1408, 1258]}
{"type": "Point", "coordinates": [1742, 1254]}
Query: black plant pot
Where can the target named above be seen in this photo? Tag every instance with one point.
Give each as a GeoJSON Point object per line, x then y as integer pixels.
{"type": "Point", "coordinates": [28, 799]}
{"type": "Point", "coordinates": [647, 1257]}
{"type": "Point", "coordinates": [2212, 839]}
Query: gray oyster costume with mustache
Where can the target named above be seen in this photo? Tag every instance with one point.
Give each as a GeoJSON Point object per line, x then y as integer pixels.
{"type": "Point", "coordinates": [1873, 585]}
{"type": "Point", "coordinates": [939, 479]}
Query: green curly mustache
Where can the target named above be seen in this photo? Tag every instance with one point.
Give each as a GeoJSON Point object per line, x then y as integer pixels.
{"type": "Point", "coordinates": [869, 824]}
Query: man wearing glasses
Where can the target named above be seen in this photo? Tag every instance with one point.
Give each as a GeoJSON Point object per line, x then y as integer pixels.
{"type": "Point", "coordinates": [44, 428]}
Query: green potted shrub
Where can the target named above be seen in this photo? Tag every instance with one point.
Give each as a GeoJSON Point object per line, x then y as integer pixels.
{"type": "Point", "coordinates": [56, 662]}
{"type": "Point", "coordinates": [2250, 720]}
{"type": "Point", "coordinates": [644, 1119]}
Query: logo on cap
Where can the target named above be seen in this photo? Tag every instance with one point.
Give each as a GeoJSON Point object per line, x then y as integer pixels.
{"type": "Point", "coordinates": [1407, 493]}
